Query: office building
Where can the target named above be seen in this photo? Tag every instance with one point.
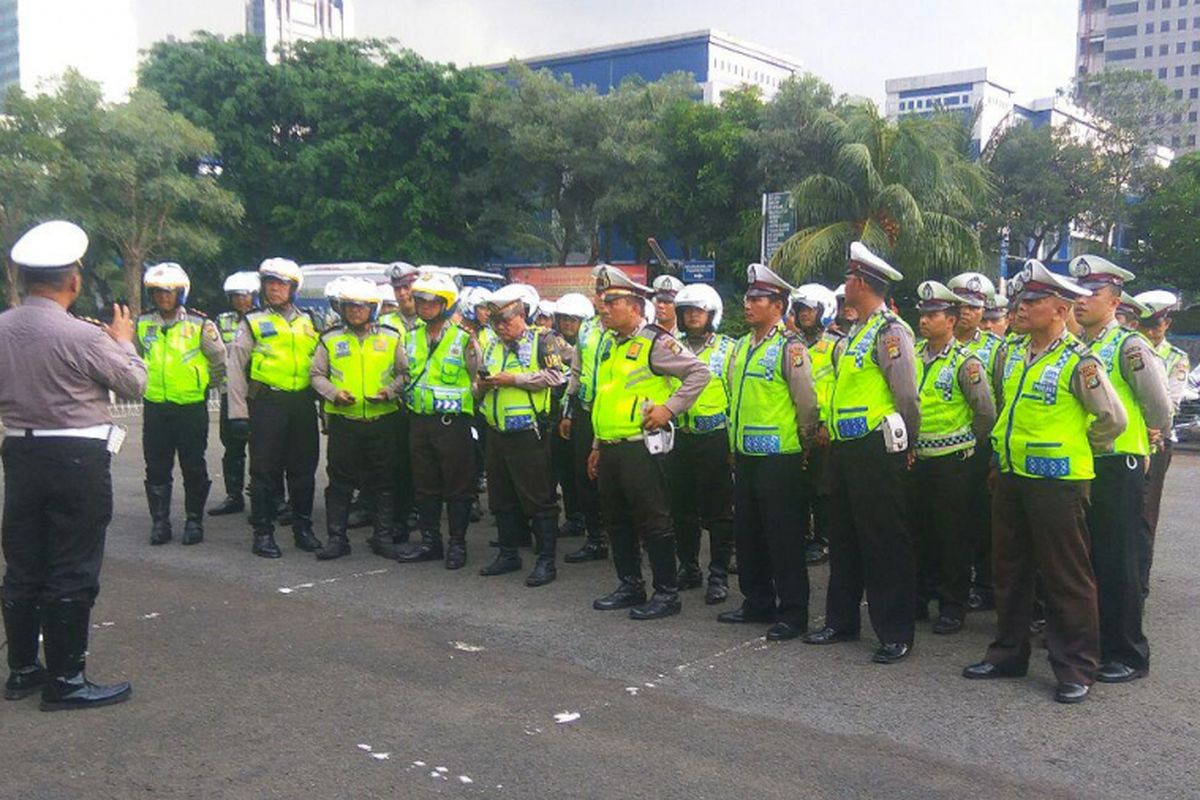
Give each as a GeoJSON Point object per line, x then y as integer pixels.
{"type": "Point", "coordinates": [281, 23]}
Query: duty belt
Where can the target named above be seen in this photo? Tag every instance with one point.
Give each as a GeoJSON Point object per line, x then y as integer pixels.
{"type": "Point", "coordinates": [638, 438]}
{"type": "Point", "coordinates": [94, 432]}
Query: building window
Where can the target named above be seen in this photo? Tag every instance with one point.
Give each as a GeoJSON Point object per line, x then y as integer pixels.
{"type": "Point", "coordinates": [1148, 52]}
{"type": "Point", "coordinates": [1176, 119]}
{"type": "Point", "coordinates": [1181, 25]}
{"type": "Point", "coordinates": [1179, 71]}
{"type": "Point", "coordinates": [1149, 5]}
{"type": "Point", "coordinates": [1164, 26]}
{"type": "Point", "coordinates": [1166, 4]}
{"type": "Point", "coordinates": [1162, 72]}
{"type": "Point", "coordinates": [966, 98]}
{"type": "Point", "coordinates": [1191, 116]}
{"type": "Point", "coordinates": [1195, 71]}
{"type": "Point", "coordinates": [1163, 49]}
{"type": "Point", "coordinates": [1196, 22]}
{"type": "Point", "coordinates": [1121, 55]}
{"type": "Point", "coordinates": [1196, 46]}
{"type": "Point", "coordinates": [1122, 8]}
{"type": "Point", "coordinates": [1174, 141]}
{"type": "Point", "coordinates": [1179, 94]}
{"type": "Point", "coordinates": [1191, 140]}
{"type": "Point", "coordinates": [1180, 47]}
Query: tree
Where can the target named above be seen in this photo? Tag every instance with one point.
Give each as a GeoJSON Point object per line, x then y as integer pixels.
{"type": "Point", "coordinates": [903, 189]}
{"type": "Point", "coordinates": [1167, 220]}
{"type": "Point", "coordinates": [791, 141]}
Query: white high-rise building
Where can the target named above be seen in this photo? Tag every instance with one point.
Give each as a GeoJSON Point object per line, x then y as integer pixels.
{"type": "Point", "coordinates": [41, 39]}
{"type": "Point", "coordinates": [283, 22]}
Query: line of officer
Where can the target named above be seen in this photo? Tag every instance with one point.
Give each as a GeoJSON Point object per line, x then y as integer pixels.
{"type": "Point", "coordinates": [996, 313]}
{"type": "Point", "coordinates": [58, 443]}
{"type": "Point", "coordinates": [1118, 491]}
{"type": "Point", "coordinates": [666, 287]}
{"type": "Point", "coordinates": [520, 368]}
{"type": "Point", "coordinates": [241, 292]}
{"type": "Point", "coordinates": [576, 426]}
{"type": "Point", "coordinates": [634, 406]}
{"type": "Point", "coordinates": [701, 479]}
{"type": "Point", "coordinates": [957, 411]}
{"type": "Point", "coordinates": [772, 413]}
{"type": "Point", "coordinates": [570, 313]}
{"type": "Point", "coordinates": [874, 412]}
{"type": "Point", "coordinates": [184, 354]}
{"type": "Point", "coordinates": [272, 402]}
{"type": "Point", "coordinates": [442, 360]}
{"type": "Point", "coordinates": [358, 368]}
{"type": "Point", "coordinates": [1058, 408]}
{"type": "Point", "coordinates": [1154, 324]}
{"type": "Point", "coordinates": [812, 304]}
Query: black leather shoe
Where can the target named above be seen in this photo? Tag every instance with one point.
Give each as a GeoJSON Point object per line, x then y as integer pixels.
{"type": "Point", "coordinates": [986, 670]}
{"type": "Point", "coordinates": [428, 549]}
{"type": "Point", "coordinates": [689, 577]}
{"type": "Point", "coordinates": [193, 531]}
{"type": "Point", "coordinates": [829, 635]}
{"type": "Point", "coordinates": [815, 553]}
{"type": "Point", "coordinates": [717, 591]}
{"type": "Point", "coordinates": [283, 514]}
{"type": "Point", "coordinates": [627, 595]}
{"type": "Point", "coordinates": [1071, 693]}
{"type": "Point", "coordinates": [662, 604]}
{"type": "Point", "coordinates": [335, 547]}
{"type": "Point", "coordinates": [544, 571]}
{"type": "Point", "coordinates": [24, 683]}
{"type": "Point", "coordinates": [78, 692]}
{"type": "Point", "coordinates": [230, 505]}
{"type": "Point", "coordinates": [783, 631]}
{"type": "Point", "coordinates": [740, 615]}
{"type": "Point", "coordinates": [456, 554]}
{"type": "Point", "coordinates": [506, 561]}
{"type": "Point", "coordinates": [265, 547]}
{"type": "Point", "coordinates": [891, 652]}
{"type": "Point", "coordinates": [384, 547]}
{"type": "Point", "coordinates": [573, 525]}
{"type": "Point", "coordinates": [981, 600]}
{"type": "Point", "coordinates": [591, 551]}
{"type": "Point", "coordinates": [1116, 672]}
{"type": "Point", "coordinates": [946, 625]}
{"type": "Point", "coordinates": [305, 539]}
{"type": "Point", "coordinates": [359, 517]}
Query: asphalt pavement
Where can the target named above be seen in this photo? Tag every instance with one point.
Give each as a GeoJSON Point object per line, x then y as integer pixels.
{"type": "Point", "coordinates": [363, 678]}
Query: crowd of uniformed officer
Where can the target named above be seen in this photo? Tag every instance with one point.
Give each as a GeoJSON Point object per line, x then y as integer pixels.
{"type": "Point", "coordinates": [1010, 456]}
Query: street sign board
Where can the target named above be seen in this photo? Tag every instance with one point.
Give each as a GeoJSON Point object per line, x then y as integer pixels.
{"type": "Point", "coordinates": [699, 272]}
{"type": "Point", "coordinates": [779, 222]}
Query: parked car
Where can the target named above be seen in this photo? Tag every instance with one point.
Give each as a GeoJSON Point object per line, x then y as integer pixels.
{"type": "Point", "coordinates": [312, 295]}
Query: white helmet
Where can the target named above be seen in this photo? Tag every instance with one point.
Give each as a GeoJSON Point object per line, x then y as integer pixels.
{"type": "Point", "coordinates": [359, 291]}
{"type": "Point", "coordinates": [387, 296]}
{"type": "Point", "coordinates": [1157, 302]}
{"type": "Point", "coordinates": [283, 269]}
{"type": "Point", "coordinates": [667, 284]}
{"type": "Point", "coordinates": [517, 291]}
{"type": "Point", "coordinates": [431, 285]}
{"type": "Point", "coordinates": [245, 282]}
{"type": "Point", "coordinates": [574, 304]}
{"type": "Point", "coordinates": [171, 277]}
{"type": "Point", "coordinates": [702, 296]}
{"type": "Point", "coordinates": [471, 298]}
{"type": "Point", "coordinates": [974, 287]}
{"type": "Point", "coordinates": [546, 308]}
{"type": "Point", "coordinates": [333, 289]}
{"type": "Point", "coordinates": [814, 295]}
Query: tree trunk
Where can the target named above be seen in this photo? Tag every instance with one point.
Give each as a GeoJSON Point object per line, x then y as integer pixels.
{"type": "Point", "coordinates": [14, 294]}
{"type": "Point", "coordinates": [132, 270]}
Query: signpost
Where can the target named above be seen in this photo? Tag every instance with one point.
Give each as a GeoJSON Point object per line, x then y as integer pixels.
{"type": "Point", "coordinates": [699, 272]}
{"type": "Point", "coordinates": [779, 223]}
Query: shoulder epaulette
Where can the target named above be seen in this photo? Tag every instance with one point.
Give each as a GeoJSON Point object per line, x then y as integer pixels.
{"type": "Point", "coordinates": [331, 330]}
{"type": "Point", "coordinates": [197, 313]}
{"type": "Point", "coordinates": [89, 320]}
{"type": "Point", "coordinates": [385, 327]}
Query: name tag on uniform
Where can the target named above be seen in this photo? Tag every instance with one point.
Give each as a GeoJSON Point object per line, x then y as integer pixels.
{"type": "Point", "coordinates": [380, 345]}
{"type": "Point", "coordinates": [634, 351]}
{"type": "Point", "coordinates": [267, 329]}
{"type": "Point", "coordinates": [152, 333]}
{"type": "Point", "coordinates": [342, 350]}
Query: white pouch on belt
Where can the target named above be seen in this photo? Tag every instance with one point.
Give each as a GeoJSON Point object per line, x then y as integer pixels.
{"type": "Point", "coordinates": [895, 434]}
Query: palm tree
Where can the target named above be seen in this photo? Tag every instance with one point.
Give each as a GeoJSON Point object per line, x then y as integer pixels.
{"type": "Point", "coordinates": [906, 190]}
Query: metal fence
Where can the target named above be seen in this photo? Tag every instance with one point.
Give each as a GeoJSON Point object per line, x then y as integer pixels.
{"type": "Point", "coordinates": [124, 409]}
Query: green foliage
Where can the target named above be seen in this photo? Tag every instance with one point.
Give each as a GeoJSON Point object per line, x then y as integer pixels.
{"type": "Point", "coordinates": [1167, 220]}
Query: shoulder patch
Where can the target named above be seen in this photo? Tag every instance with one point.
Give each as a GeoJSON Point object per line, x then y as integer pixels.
{"type": "Point", "coordinates": [1134, 358]}
{"type": "Point", "coordinates": [210, 331]}
{"type": "Point", "coordinates": [891, 343]}
{"type": "Point", "coordinates": [672, 344]}
{"type": "Point", "coordinates": [796, 352]}
{"type": "Point", "coordinates": [974, 370]}
{"type": "Point", "coordinates": [1089, 371]}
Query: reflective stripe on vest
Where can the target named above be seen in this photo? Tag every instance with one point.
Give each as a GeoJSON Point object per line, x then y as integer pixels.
{"type": "Point", "coordinates": [710, 411]}
{"type": "Point", "coordinates": [762, 415]}
{"type": "Point", "coordinates": [363, 367]}
{"type": "Point", "coordinates": [439, 382]}
{"type": "Point", "coordinates": [509, 408]}
{"type": "Point", "coordinates": [176, 369]}
{"type": "Point", "coordinates": [591, 334]}
{"type": "Point", "coordinates": [821, 353]}
{"type": "Point", "coordinates": [1041, 431]}
{"type": "Point", "coordinates": [1135, 440]}
{"type": "Point", "coordinates": [624, 383]}
{"type": "Point", "coordinates": [945, 413]}
{"type": "Point", "coordinates": [861, 396]}
{"type": "Point", "coordinates": [986, 345]}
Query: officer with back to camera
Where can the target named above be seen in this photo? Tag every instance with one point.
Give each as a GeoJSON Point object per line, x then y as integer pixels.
{"type": "Point", "coordinates": [241, 290]}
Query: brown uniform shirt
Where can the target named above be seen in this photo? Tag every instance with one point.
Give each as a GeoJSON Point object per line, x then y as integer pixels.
{"type": "Point", "coordinates": [56, 371]}
{"type": "Point", "coordinates": [1094, 390]}
{"type": "Point", "coordinates": [318, 371]}
{"type": "Point", "coordinates": [1143, 370]}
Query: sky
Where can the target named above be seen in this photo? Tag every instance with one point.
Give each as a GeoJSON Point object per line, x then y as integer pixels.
{"type": "Point", "coordinates": [855, 45]}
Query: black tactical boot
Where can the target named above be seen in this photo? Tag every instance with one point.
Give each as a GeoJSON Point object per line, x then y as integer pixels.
{"type": "Point", "coordinates": [665, 602]}
{"type": "Point", "coordinates": [362, 512]}
{"type": "Point", "coordinates": [336, 512]}
{"type": "Point", "coordinates": [545, 534]}
{"type": "Point", "coordinates": [158, 496]}
{"type": "Point", "coordinates": [65, 625]}
{"type": "Point", "coordinates": [458, 513]}
{"type": "Point", "coordinates": [718, 587]}
{"type": "Point", "coordinates": [262, 514]}
{"type": "Point", "coordinates": [234, 502]}
{"type": "Point", "coordinates": [508, 559]}
{"type": "Point", "coordinates": [594, 549]}
{"type": "Point", "coordinates": [690, 576]}
{"type": "Point", "coordinates": [573, 525]}
{"type": "Point", "coordinates": [22, 621]}
{"type": "Point", "coordinates": [428, 549]}
{"type": "Point", "coordinates": [194, 499]}
{"type": "Point", "coordinates": [385, 536]}
{"type": "Point", "coordinates": [631, 592]}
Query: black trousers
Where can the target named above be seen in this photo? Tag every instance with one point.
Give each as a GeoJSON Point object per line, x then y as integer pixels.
{"type": "Point", "coordinates": [635, 502]}
{"type": "Point", "coordinates": [772, 571]}
{"type": "Point", "coordinates": [870, 548]}
{"type": "Point", "coordinates": [1160, 462]}
{"type": "Point", "coordinates": [562, 462]}
{"type": "Point", "coordinates": [701, 484]}
{"type": "Point", "coordinates": [233, 461]}
{"type": "Point", "coordinates": [814, 500]}
{"type": "Point", "coordinates": [979, 513]}
{"type": "Point", "coordinates": [284, 445]}
{"type": "Point", "coordinates": [443, 458]}
{"type": "Point", "coordinates": [939, 506]}
{"type": "Point", "coordinates": [361, 454]}
{"type": "Point", "coordinates": [57, 505]}
{"type": "Point", "coordinates": [170, 429]}
{"type": "Point", "coordinates": [1115, 522]}
{"type": "Point", "coordinates": [520, 480]}
{"type": "Point", "coordinates": [586, 489]}
{"type": "Point", "coordinates": [403, 483]}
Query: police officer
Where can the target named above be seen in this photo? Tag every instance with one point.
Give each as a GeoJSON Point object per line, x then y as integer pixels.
{"type": "Point", "coordinates": [701, 480]}
{"type": "Point", "coordinates": [1154, 324]}
{"type": "Point", "coordinates": [1118, 491]}
{"type": "Point", "coordinates": [184, 353]}
{"type": "Point", "coordinates": [55, 376]}
{"type": "Point", "coordinates": [358, 369]}
{"type": "Point", "coordinates": [402, 276]}
{"type": "Point", "coordinates": [576, 426]}
{"type": "Point", "coordinates": [957, 410]}
{"type": "Point", "coordinates": [241, 290]}
{"type": "Point", "coordinates": [442, 360]}
{"type": "Point", "coordinates": [812, 304]}
{"type": "Point", "coordinates": [996, 314]}
{"type": "Point", "coordinates": [271, 400]}
{"type": "Point", "coordinates": [1129, 312]}
{"type": "Point", "coordinates": [635, 401]}
{"type": "Point", "coordinates": [666, 287]}
{"type": "Point", "coordinates": [543, 317]}
{"type": "Point", "coordinates": [772, 413]}
{"type": "Point", "coordinates": [520, 367]}
{"type": "Point", "coordinates": [1059, 408]}
{"type": "Point", "coordinates": [874, 414]}
{"type": "Point", "coordinates": [570, 312]}
{"type": "Point", "coordinates": [404, 319]}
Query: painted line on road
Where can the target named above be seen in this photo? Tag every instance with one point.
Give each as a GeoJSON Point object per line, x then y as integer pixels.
{"type": "Point", "coordinates": [324, 581]}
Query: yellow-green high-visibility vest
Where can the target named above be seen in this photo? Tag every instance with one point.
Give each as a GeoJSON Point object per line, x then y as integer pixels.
{"type": "Point", "coordinates": [587, 344]}
{"type": "Point", "coordinates": [363, 367]}
{"type": "Point", "coordinates": [762, 415]}
{"type": "Point", "coordinates": [1170, 355]}
{"type": "Point", "coordinates": [1041, 431]}
{"type": "Point", "coordinates": [509, 408]}
{"type": "Point", "coordinates": [176, 369]}
{"type": "Point", "coordinates": [1135, 440]}
{"type": "Point", "coordinates": [821, 353]}
{"type": "Point", "coordinates": [710, 411]}
{"type": "Point", "coordinates": [283, 350]}
{"type": "Point", "coordinates": [227, 324]}
{"type": "Point", "coordinates": [439, 382]}
{"type": "Point", "coordinates": [945, 413]}
{"type": "Point", "coordinates": [986, 345]}
{"type": "Point", "coordinates": [861, 395]}
{"type": "Point", "coordinates": [625, 383]}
